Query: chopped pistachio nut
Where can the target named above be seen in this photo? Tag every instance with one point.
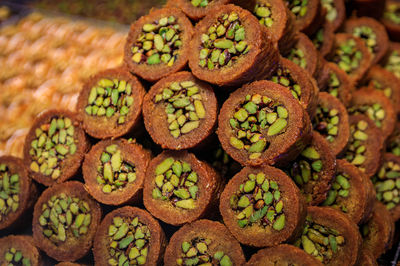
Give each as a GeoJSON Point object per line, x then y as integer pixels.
{"type": "Point", "coordinates": [64, 216]}
{"type": "Point", "coordinates": [375, 112]}
{"type": "Point", "coordinates": [258, 201]}
{"type": "Point", "coordinates": [356, 149]}
{"type": "Point", "coordinates": [129, 241]}
{"type": "Point", "coordinates": [197, 252]}
{"type": "Point", "coordinates": [110, 97]}
{"type": "Point", "coordinates": [326, 122]}
{"type": "Point", "coordinates": [298, 7]}
{"type": "Point", "coordinates": [15, 257]}
{"type": "Point", "coordinates": [297, 56]}
{"type": "Point", "coordinates": [9, 191]}
{"type": "Point", "coordinates": [113, 173]}
{"type": "Point", "coordinates": [318, 38]}
{"type": "Point", "coordinates": [176, 182]}
{"type": "Point", "coordinates": [393, 144]}
{"type": "Point", "coordinates": [256, 119]}
{"type": "Point", "coordinates": [306, 169]}
{"type": "Point", "coordinates": [392, 12]}
{"type": "Point", "coordinates": [387, 184]}
{"type": "Point", "coordinates": [284, 77]}
{"type": "Point", "coordinates": [333, 85]}
{"type": "Point", "coordinates": [387, 90]}
{"type": "Point", "coordinates": [320, 241]}
{"type": "Point", "coordinates": [331, 11]}
{"type": "Point", "coordinates": [263, 12]}
{"type": "Point", "coordinates": [159, 42]}
{"type": "Point", "coordinates": [221, 161]}
{"type": "Point", "coordinates": [368, 35]}
{"type": "Point", "coordinates": [393, 63]}
{"type": "Point", "coordinates": [54, 142]}
{"type": "Point", "coordinates": [223, 43]}
{"type": "Point", "coordinates": [347, 57]}
{"type": "Point", "coordinates": [183, 105]}
{"type": "Point", "coordinates": [200, 3]}
{"type": "Point", "coordinates": [338, 193]}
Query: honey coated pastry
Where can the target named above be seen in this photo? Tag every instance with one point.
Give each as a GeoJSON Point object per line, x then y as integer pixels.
{"type": "Point", "coordinates": [393, 143]}
{"type": "Point", "coordinates": [335, 12]}
{"type": "Point", "coordinates": [180, 111]}
{"type": "Point", "coordinates": [179, 188]}
{"type": "Point", "coordinates": [262, 207]}
{"type": "Point", "coordinates": [392, 60]}
{"type": "Point", "coordinates": [324, 38]}
{"type": "Point", "coordinates": [198, 9]}
{"type": "Point", "coordinates": [309, 14]}
{"type": "Point", "coordinates": [158, 44]}
{"type": "Point", "coordinates": [230, 48]}
{"type": "Point", "coordinates": [110, 104]}
{"type": "Point", "coordinates": [372, 33]}
{"type": "Point", "coordinates": [114, 171]}
{"type": "Point", "coordinates": [129, 236]}
{"type": "Point", "coordinates": [203, 242]}
{"type": "Point", "coordinates": [54, 147]}
{"type": "Point", "coordinates": [19, 250]}
{"type": "Point", "coordinates": [65, 220]}
{"type": "Point", "coordinates": [262, 123]}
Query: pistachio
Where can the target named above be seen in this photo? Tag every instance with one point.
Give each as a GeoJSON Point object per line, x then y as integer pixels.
{"type": "Point", "coordinates": [387, 184]}
{"type": "Point", "coordinates": [393, 63]}
{"type": "Point", "coordinates": [347, 57]}
{"type": "Point", "coordinates": [338, 193]}
{"type": "Point", "coordinates": [285, 78]}
{"type": "Point", "coordinates": [199, 3]}
{"type": "Point", "coordinates": [326, 122]}
{"type": "Point", "coordinates": [331, 11]}
{"type": "Point", "coordinates": [263, 12]}
{"type": "Point", "coordinates": [375, 112]}
{"type": "Point", "coordinates": [368, 35]}
{"type": "Point", "coordinates": [298, 7]}
{"type": "Point", "coordinates": [9, 191]}
{"type": "Point", "coordinates": [297, 56]}
{"type": "Point", "coordinates": [355, 152]}
{"type": "Point", "coordinates": [13, 256]}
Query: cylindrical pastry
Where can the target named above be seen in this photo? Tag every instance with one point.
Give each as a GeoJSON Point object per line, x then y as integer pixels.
{"type": "Point", "coordinates": [309, 14]}
{"type": "Point", "coordinates": [377, 107]}
{"type": "Point", "coordinates": [263, 123]}
{"type": "Point", "coordinates": [180, 111]}
{"type": "Point", "coordinates": [65, 220]}
{"type": "Point", "coordinates": [391, 19]}
{"type": "Point", "coordinates": [335, 12]}
{"type": "Point", "coordinates": [330, 237]}
{"type": "Point", "coordinates": [262, 207]}
{"type": "Point", "coordinates": [129, 236]}
{"type": "Point", "coordinates": [332, 122]}
{"type": "Point", "coordinates": [392, 60]}
{"type": "Point", "coordinates": [378, 231]}
{"type": "Point", "coordinates": [54, 147]}
{"type": "Point", "coordinates": [285, 254]}
{"type": "Point", "coordinates": [351, 55]}
{"type": "Point", "coordinates": [324, 38]}
{"type": "Point", "coordinates": [203, 242]}
{"type": "Point", "coordinates": [387, 184]}
{"type": "Point", "coordinates": [17, 192]}
{"type": "Point", "coordinates": [19, 250]}
{"type": "Point", "coordinates": [110, 104]}
{"type": "Point", "coordinates": [158, 44]}
{"type": "Point", "coordinates": [313, 170]}
{"type": "Point", "coordinates": [365, 145]}
{"type": "Point", "coordinates": [351, 192]}
{"type": "Point", "coordinates": [278, 21]}
{"type": "Point", "coordinates": [179, 188]}
{"type": "Point", "coordinates": [372, 33]}
{"type": "Point", "coordinates": [114, 171]}
{"type": "Point", "coordinates": [230, 48]}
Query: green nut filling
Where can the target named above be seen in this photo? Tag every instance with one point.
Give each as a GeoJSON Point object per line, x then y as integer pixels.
{"type": "Point", "coordinates": [368, 35]}
{"type": "Point", "coordinates": [264, 14]}
{"type": "Point", "coordinates": [176, 182]}
{"type": "Point", "coordinates": [15, 257]}
{"type": "Point", "coordinates": [318, 38]}
{"type": "Point", "coordinates": [9, 191]}
{"type": "Point", "coordinates": [392, 12]}
{"type": "Point", "coordinates": [306, 169]}
{"type": "Point", "coordinates": [298, 7]}
{"type": "Point", "coordinates": [393, 63]}
{"type": "Point", "coordinates": [338, 193]}
{"type": "Point", "coordinates": [375, 112]}
{"type": "Point", "coordinates": [254, 120]}
{"type": "Point", "coordinates": [113, 172]}
{"type": "Point", "coordinates": [64, 217]}
{"type": "Point", "coordinates": [129, 241]}
{"type": "Point", "coordinates": [197, 252]}
{"type": "Point", "coordinates": [159, 42]}
{"type": "Point", "coordinates": [297, 56]}
{"type": "Point", "coordinates": [110, 97]}
{"type": "Point", "coordinates": [54, 142]}
{"type": "Point", "coordinates": [331, 11]}
{"type": "Point", "coordinates": [333, 85]}
{"type": "Point", "coordinates": [200, 3]}
{"type": "Point", "coordinates": [221, 161]}
{"type": "Point", "coordinates": [378, 85]}
{"type": "Point", "coordinates": [258, 201]}
{"type": "Point", "coordinates": [183, 106]}
{"type": "Point", "coordinates": [387, 184]}
{"type": "Point", "coordinates": [224, 43]}
{"type": "Point", "coordinates": [347, 57]}
{"type": "Point", "coordinates": [356, 149]}
{"type": "Point", "coordinates": [320, 241]}
{"type": "Point", "coordinates": [393, 145]}
{"type": "Point", "coordinates": [326, 122]}
{"type": "Point", "coordinates": [283, 77]}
